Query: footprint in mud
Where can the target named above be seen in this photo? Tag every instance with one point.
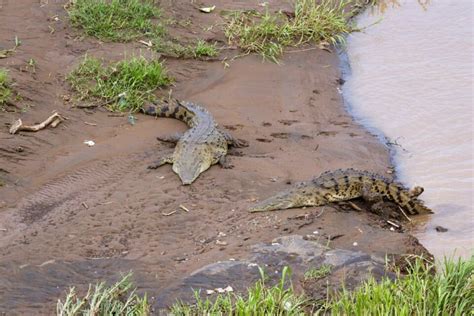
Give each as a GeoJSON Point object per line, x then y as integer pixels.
{"type": "Point", "coordinates": [288, 122]}
{"type": "Point", "coordinates": [327, 133]}
{"type": "Point", "coordinates": [263, 140]}
{"type": "Point", "coordinates": [292, 136]}
{"type": "Point", "coordinates": [266, 124]}
{"type": "Point", "coordinates": [233, 127]}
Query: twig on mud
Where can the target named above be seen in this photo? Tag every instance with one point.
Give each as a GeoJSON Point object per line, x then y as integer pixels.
{"type": "Point", "coordinates": [168, 214]}
{"type": "Point", "coordinates": [393, 224]}
{"type": "Point", "coordinates": [54, 120]}
{"type": "Point", "coordinates": [91, 124]}
{"type": "Point", "coordinates": [320, 213]}
{"type": "Point", "coordinates": [107, 203]}
{"type": "Point", "coordinates": [355, 206]}
{"type": "Point", "coordinates": [85, 205]}
{"type": "Point", "coordinates": [403, 212]}
{"type": "Point", "coordinates": [184, 208]}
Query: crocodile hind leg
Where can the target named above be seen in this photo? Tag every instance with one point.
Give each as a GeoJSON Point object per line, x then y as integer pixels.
{"type": "Point", "coordinates": [234, 142]}
{"type": "Point", "coordinates": [161, 162]}
{"type": "Point", "coordinates": [370, 196]}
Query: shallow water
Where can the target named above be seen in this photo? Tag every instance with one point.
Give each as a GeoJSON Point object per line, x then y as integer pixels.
{"type": "Point", "coordinates": [411, 80]}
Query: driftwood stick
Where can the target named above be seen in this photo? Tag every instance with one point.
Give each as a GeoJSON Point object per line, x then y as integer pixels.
{"type": "Point", "coordinates": [54, 120]}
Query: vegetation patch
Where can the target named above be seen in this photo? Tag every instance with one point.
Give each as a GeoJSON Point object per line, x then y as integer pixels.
{"type": "Point", "coordinates": [269, 33]}
{"type": "Point", "coordinates": [116, 20]}
{"type": "Point", "coordinates": [5, 91]}
{"type": "Point", "coordinates": [260, 300]}
{"type": "Point", "coordinates": [122, 86]}
{"type": "Point", "coordinates": [421, 292]}
{"type": "Point", "coordinates": [201, 49]}
{"type": "Point", "coordinates": [118, 299]}
{"type": "Point", "coordinates": [126, 20]}
{"type": "Point", "coordinates": [318, 273]}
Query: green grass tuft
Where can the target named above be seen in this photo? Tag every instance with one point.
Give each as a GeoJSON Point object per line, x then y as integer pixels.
{"type": "Point", "coordinates": [5, 91]}
{"type": "Point", "coordinates": [260, 300]}
{"type": "Point", "coordinates": [318, 273]}
{"type": "Point", "coordinates": [118, 299]}
{"type": "Point", "coordinates": [116, 20]}
{"type": "Point", "coordinates": [204, 49]}
{"type": "Point", "coordinates": [201, 49]}
{"type": "Point", "coordinates": [421, 292]}
{"type": "Point", "coordinates": [124, 86]}
{"type": "Point", "coordinates": [268, 34]}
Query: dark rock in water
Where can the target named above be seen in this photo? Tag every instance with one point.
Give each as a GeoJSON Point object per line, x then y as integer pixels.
{"type": "Point", "coordinates": [441, 229]}
{"type": "Point", "coordinates": [346, 267]}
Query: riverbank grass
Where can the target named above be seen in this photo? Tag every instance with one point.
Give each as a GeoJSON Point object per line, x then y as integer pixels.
{"type": "Point", "coordinates": [198, 50]}
{"type": "Point", "coordinates": [260, 300]}
{"type": "Point", "coordinates": [122, 86]}
{"type": "Point", "coordinates": [5, 91]}
{"type": "Point", "coordinates": [118, 299]}
{"type": "Point", "coordinates": [269, 33]}
{"type": "Point", "coordinates": [116, 20]}
{"type": "Point", "coordinates": [127, 20]}
{"type": "Point", "coordinates": [421, 292]}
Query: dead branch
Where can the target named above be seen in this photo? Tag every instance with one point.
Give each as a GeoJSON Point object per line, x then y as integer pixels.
{"type": "Point", "coordinates": [54, 120]}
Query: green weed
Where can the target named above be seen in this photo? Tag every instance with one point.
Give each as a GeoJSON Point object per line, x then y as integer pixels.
{"type": "Point", "coordinates": [200, 49]}
{"type": "Point", "coordinates": [5, 91]}
{"type": "Point", "coordinates": [268, 34]}
{"type": "Point", "coordinates": [123, 86]}
{"type": "Point", "coordinates": [116, 20]}
{"type": "Point", "coordinates": [118, 299]}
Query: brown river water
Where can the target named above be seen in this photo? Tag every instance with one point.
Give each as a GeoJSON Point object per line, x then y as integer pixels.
{"type": "Point", "coordinates": [410, 80]}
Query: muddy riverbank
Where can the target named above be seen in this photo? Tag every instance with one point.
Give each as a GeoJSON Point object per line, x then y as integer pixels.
{"type": "Point", "coordinates": [99, 210]}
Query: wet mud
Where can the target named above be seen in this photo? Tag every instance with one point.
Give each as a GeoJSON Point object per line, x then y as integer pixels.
{"type": "Point", "coordinates": [72, 214]}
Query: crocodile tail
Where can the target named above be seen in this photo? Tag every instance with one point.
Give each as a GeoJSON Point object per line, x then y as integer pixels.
{"type": "Point", "coordinates": [173, 110]}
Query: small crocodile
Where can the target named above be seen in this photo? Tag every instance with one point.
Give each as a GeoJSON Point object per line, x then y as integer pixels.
{"type": "Point", "coordinates": [203, 145]}
{"type": "Point", "coordinates": [342, 185]}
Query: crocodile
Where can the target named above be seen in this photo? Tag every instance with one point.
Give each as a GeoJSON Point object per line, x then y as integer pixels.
{"type": "Point", "coordinates": [343, 185]}
{"type": "Point", "coordinates": [200, 147]}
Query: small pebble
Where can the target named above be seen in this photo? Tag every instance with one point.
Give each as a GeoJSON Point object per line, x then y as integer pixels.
{"type": "Point", "coordinates": [315, 232]}
{"type": "Point", "coordinates": [221, 243]}
{"type": "Point", "coordinates": [441, 229]}
{"type": "Point", "coordinates": [355, 244]}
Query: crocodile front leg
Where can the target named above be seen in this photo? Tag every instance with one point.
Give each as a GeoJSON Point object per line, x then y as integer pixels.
{"type": "Point", "coordinates": [234, 142]}
{"type": "Point", "coordinates": [161, 162]}
{"type": "Point", "coordinates": [224, 162]}
{"type": "Point", "coordinates": [173, 138]}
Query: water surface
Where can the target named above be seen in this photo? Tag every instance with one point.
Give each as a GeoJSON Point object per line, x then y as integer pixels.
{"type": "Point", "coordinates": [411, 81]}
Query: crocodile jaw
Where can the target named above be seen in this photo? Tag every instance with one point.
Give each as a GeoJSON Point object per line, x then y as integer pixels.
{"type": "Point", "coordinates": [279, 202]}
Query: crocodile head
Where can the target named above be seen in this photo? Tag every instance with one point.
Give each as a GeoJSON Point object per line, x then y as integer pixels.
{"type": "Point", "coordinates": [294, 197]}
{"type": "Point", "coordinates": [189, 164]}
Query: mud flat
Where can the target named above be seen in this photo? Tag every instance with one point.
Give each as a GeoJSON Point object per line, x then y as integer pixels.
{"type": "Point", "coordinates": [72, 214]}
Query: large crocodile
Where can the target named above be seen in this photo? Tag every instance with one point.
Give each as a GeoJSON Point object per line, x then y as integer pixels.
{"type": "Point", "coordinates": [203, 145]}
{"type": "Point", "coordinates": [343, 185]}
